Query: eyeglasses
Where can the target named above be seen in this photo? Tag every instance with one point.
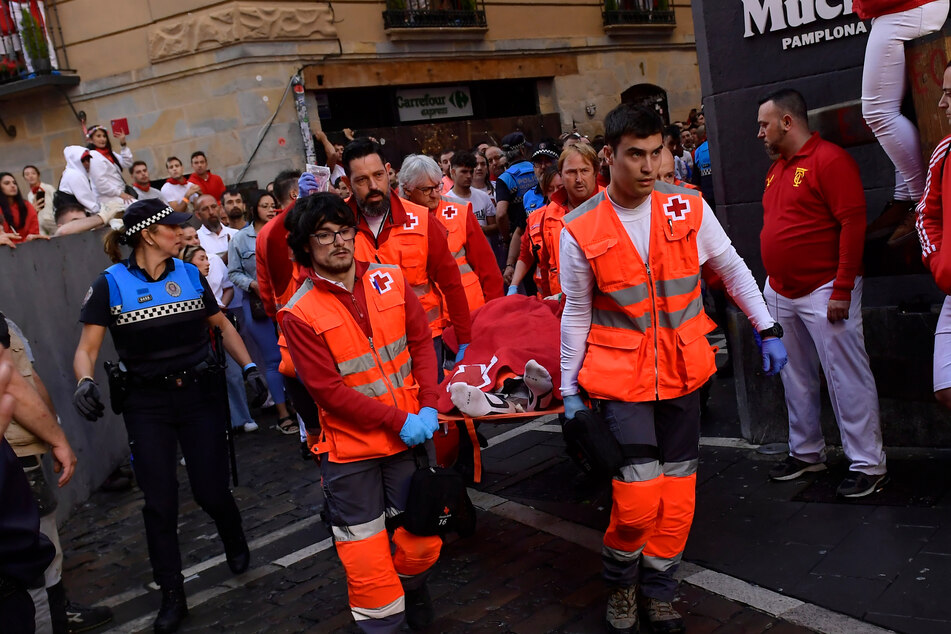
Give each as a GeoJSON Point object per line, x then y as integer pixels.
{"type": "Point", "coordinates": [427, 190]}
{"type": "Point", "coordinates": [329, 237]}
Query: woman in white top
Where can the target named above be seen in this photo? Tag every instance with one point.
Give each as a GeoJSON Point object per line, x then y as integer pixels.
{"type": "Point", "coordinates": [105, 168]}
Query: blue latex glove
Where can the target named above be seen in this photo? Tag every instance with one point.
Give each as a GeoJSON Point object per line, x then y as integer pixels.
{"type": "Point", "coordinates": [415, 430]}
{"type": "Point", "coordinates": [431, 419]}
{"type": "Point", "coordinates": [573, 405]}
{"type": "Point", "coordinates": [462, 352]}
{"type": "Point", "coordinates": [306, 185]}
{"type": "Point", "coordinates": [774, 356]}
{"type": "Point", "coordinates": [511, 291]}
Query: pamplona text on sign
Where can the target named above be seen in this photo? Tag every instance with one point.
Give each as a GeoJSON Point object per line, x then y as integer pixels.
{"type": "Point", "coordinates": [762, 16]}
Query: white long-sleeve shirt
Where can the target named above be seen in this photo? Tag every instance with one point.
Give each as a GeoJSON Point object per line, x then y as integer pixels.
{"type": "Point", "coordinates": [75, 180]}
{"type": "Point", "coordinates": [577, 281]}
{"type": "Point", "coordinates": [106, 176]}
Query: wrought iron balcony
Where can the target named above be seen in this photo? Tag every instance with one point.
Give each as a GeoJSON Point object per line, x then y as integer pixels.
{"type": "Point", "coordinates": [27, 54]}
{"type": "Point", "coordinates": [434, 14]}
{"type": "Point", "coordinates": [638, 13]}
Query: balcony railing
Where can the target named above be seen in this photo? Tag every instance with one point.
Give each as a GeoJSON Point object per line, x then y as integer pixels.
{"type": "Point", "coordinates": [26, 48]}
{"type": "Point", "coordinates": [429, 14]}
{"type": "Point", "coordinates": [637, 12]}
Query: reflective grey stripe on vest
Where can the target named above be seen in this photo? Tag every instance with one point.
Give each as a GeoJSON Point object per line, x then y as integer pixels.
{"type": "Point", "coordinates": [464, 268]}
{"type": "Point", "coordinates": [616, 319]}
{"type": "Point", "coordinates": [354, 366]}
{"type": "Point", "coordinates": [399, 377]}
{"type": "Point", "coordinates": [662, 564]}
{"type": "Point", "coordinates": [676, 318]}
{"type": "Point", "coordinates": [620, 555]}
{"type": "Point", "coordinates": [680, 286]}
{"type": "Point", "coordinates": [630, 295]}
{"type": "Point", "coordinates": [392, 350]}
{"type": "Point", "coordinates": [584, 207]}
{"type": "Point", "coordinates": [304, 288]}
{"type": "Point", "coordinates": [422, 289]}
{"type": "Point", "coordinates": [154, 312]}
{"type": "Point", "coordinates": [461, 253]}
{"type": "Point", "coordinates": [681, 469]}
{"type": "Point", "coordinates": [373, 390]}
{"type": "Point", "coordinates": [366, 614]}
{"type": "Point", "coordinates": [359, 532]}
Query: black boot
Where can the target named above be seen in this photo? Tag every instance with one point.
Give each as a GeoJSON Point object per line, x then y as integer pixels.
{"type": "Point", "coordinates": [173, 610]}
{"type": "Point", "coordinates": [419, 608]}
{"type": "Point", "coordinates": [237, 552]}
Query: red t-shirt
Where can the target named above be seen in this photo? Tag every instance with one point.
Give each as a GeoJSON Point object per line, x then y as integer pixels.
{"type": "Point", "coordinates": [29, 226]}
{"type": "Point", "coordinates": [813, 221]}
{"type": "Point", "coordinates": [211, 184]}
{"type": "Point", "coordinates": [318, 371]}
{"type": "Point", "coordinates": [931, 211]}
{"type": "Point", "coordinates": [272, 258]}
{"type": "Point", "coordinates": [866, 9]}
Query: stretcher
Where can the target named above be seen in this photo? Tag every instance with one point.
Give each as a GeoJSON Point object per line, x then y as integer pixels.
{"type": "Point", "coordinates": [447, 440]}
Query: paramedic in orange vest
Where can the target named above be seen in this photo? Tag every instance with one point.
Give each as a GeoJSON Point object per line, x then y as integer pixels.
{"type": "Point", "coordinates": [391, 230]}
{"type": "Point", "coordinates": [359, 340]}
{"type": "Point", "coordinates": [419, 183]}
{"type": "Point", "coordinates": [632, 338]}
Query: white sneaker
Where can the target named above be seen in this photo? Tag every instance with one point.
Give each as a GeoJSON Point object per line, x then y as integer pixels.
{"type": "Point", "coordinates": [248, 427]}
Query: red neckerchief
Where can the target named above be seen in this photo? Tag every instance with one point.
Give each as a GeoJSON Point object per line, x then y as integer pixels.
{"type": "Point", "coordinates": [144, 188]}
{"type": "Point", "coordinates": [179, 181]}
{"type": "Point", "coordinates": [105, 152]}
{"type": "Point", "coordinates": [35, 189]}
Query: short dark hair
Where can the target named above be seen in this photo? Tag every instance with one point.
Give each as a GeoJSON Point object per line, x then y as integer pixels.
{"type": "Point", "coordinates": [136, 164]}
{"type": "Point", "coordinates": [65, 208]}
{"type": "Point", "coordinates": [463, 159]}
{"type": "Point", "coordinates": [308, 214]}
{"type": "Point", "coordinates": [173, 158]}
{"type": "Point", "coordinates": [445, 151]}
{"type": "Point", "coordinates": [283, 184]}
{"type": "Point", "coordinates": [198, 153]}
{"type": "Point", "coordinates": [231, 191]}
{"type": "Point", "coordinates": [26, 167]}
{"type": "Point", "coordinates": [790, 101]}
{"type": "Point", "coordinates": [672, 131]}
{"type": "Point", "coordinates": [358, 148]}
{"type": "Point", "coordinates": [631, 120]}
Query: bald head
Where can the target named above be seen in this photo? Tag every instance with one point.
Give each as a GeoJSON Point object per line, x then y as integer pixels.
{"type": "Point", "coordinates": [208, 212]}
{"type": "Point", "coordinates": [667, 167]}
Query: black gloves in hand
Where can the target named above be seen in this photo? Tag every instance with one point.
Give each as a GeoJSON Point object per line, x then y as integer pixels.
{"type": "Point", "coordinates": [87, 400]}
{"type": "Point", "coordinates": [257, 386]}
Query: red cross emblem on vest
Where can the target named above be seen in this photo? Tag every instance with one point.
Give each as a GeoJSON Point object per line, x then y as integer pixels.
{"type": "Point", "coordinates": [411, 221]}
{"type": "Point", "coordinates": [449, 212]}
{"type": "Point", "coordinates": [676, 208]}
{"type": "Point", "coordinates": [382, 281]}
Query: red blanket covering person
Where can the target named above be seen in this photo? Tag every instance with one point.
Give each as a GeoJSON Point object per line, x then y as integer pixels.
{"type": "Point", "coordinates": [506, 333]}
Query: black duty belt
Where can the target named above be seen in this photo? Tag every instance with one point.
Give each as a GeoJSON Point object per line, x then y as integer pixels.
{"type": "Point", "coordinates": [175, 380]}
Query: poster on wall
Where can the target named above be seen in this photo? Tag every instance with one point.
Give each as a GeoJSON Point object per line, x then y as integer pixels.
{"type": "Point", "coordinates": [438, 102]}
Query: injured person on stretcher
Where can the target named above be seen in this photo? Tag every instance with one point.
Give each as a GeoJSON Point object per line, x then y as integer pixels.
{"type": "Point", "coordinates": [511, 363]}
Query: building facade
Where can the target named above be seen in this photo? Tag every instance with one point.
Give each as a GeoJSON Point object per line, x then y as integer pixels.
{"type": "Point", "coordinates": [210, 75]}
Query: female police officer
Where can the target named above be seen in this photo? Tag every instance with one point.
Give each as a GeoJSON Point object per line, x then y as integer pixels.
{"type": "Point", "coordinates": [159, 310]}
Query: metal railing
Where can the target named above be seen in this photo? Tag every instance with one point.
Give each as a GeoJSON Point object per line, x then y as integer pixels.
{"type": "Point", "coordinates": [409, 14]}
{"type": "Point", "coordinates": [26, 49]}
{"type": "Point", "coordinates": [637, 12]}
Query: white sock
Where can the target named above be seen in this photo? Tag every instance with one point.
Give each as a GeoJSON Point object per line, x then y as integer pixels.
{"type": "Point", "coordinates": [540, 386]}
{"type": "Point", "coordinates": [472, 401]}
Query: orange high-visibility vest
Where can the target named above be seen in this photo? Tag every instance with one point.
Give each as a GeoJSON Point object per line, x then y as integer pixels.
{"type": "Point", "coordinates": [647, 332]}
{"type": "Point", "coordinates": [681, 183]}
{"type": "Point", "coordinates": [379, 367]}
{"type": "Point", "coordinates": [452, 214]}
{"type": "Point", "coordinates": [552, 225]}
{"type": "Point", "coordinates": [534, 225]}
{"type": "Point", "coordinates": [407, 246]}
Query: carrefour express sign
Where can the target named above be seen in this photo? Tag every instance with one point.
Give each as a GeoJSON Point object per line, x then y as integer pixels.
{"type": "Point", "coordinates": [442, 102]}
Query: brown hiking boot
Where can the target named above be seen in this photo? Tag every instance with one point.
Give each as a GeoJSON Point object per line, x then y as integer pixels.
{"type": "Point", "coordinates": [622, 610]}
{"type": "Point", "coordinates": [662, 616]}
{"type": "Point", "coordinates": [905, 231]}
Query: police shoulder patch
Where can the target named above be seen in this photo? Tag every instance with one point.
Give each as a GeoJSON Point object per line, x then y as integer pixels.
{"type": "Point", "coordinates": [173, 289]}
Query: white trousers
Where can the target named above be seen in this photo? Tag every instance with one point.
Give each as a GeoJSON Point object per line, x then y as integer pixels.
{"type": "Point", "coordinates": [811, 340]}
{"type": "Point", "coordinates": [883, 88]}
{"type": "Point", "coordinates": [942, 348]}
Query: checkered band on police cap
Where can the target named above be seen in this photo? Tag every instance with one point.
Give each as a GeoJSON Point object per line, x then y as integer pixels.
{"type": "Point", "coordinates": [145, 213]}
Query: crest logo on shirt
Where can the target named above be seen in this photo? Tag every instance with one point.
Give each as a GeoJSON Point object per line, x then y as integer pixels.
{"type": "Point", "coordinates": [173, 289]}
{"type": "Point", "coordinates": [798, 176]}
{"type": "Point", "coordinates": [769, 180]}
{"type": "Point", "coordinates": [411, 221]}
{"type": "Point", "coordinates": [449, 212]}
{"type": "Point", "coordinates": [382, 281]}
{"type": "Point", "coordinates": [676, 208]}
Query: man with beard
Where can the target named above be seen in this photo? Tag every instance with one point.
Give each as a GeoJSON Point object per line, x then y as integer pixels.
{"type": "Point", "coordinates": [811, 243]}
{"type": "Point", "coordinates": [232, 203]}
{"type": "Point", "coordinates": [346, 312]}
{"type": "Point", "coordinates": [391, 230]}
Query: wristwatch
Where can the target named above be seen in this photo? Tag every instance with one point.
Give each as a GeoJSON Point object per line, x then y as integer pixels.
{"type": "Point", "coordinates": [773, 331]}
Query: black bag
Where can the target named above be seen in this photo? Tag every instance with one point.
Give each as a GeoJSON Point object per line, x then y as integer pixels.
{"type": "Point", "coordinates": [438, 501]}
{"type": "Point", "coordinates": [591, 444]}
{"type": "Point", "coordinates": [257, 307]}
